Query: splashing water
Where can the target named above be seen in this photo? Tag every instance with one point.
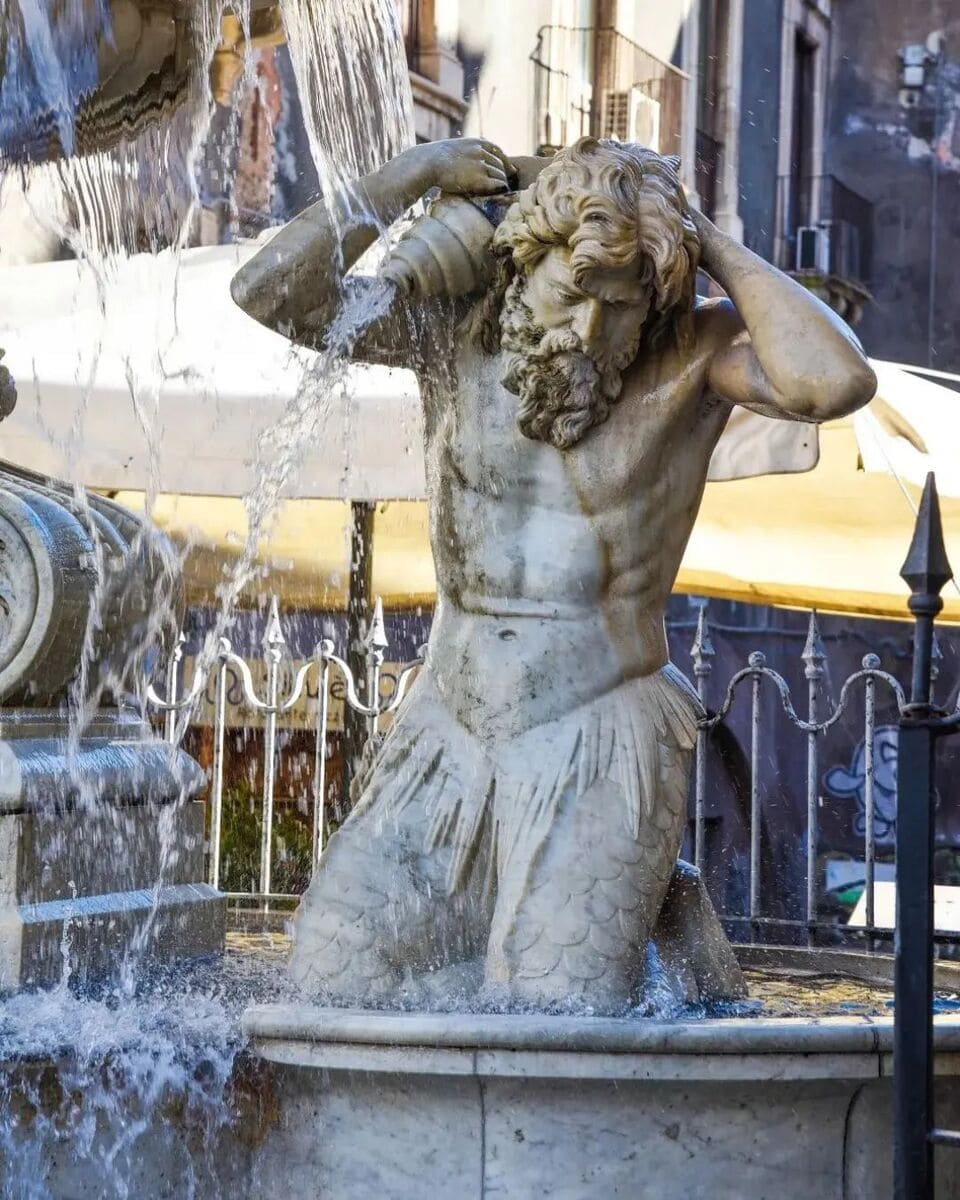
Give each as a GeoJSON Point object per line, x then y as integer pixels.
{"type": "Point", "coordinates": [108, 1095]}
{"type": "Point", "coordinates": [90, 1085]}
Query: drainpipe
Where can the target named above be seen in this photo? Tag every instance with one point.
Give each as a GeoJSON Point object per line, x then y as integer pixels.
{"type": "Point", "coordinates": [934, 181]}
{"type": "Point", "coordinates": [727, 215]}
{"type": "Point", "coordinates": [690, 65]}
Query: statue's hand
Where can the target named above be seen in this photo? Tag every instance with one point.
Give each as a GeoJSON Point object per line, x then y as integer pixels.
{"type": "Point", "coordinates": [8, 391]}
{"type": "Point", "coordinates": [466, 166]}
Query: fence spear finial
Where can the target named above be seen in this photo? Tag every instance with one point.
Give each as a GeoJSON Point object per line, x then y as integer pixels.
{"type": "Point", "coordinates": [813, 654]}
{"type": "Point", "coordinates": [273, 636]}
{"type": "Point", "coordinates": [702, 649]}
{"type": "Point", "coordinates": [926, 571]}
{"type": "Point", "coordinates": [376, 638]}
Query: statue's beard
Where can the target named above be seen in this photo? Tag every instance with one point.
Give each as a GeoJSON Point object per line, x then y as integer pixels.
{"type": "Point", "coordinates": [563, 390]}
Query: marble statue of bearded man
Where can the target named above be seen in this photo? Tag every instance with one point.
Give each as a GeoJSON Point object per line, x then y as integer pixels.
{"type": "Point", "coordinates": [526, 809]}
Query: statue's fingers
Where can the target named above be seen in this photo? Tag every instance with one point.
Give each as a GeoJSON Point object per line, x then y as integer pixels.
{"type": "Point", "coordinates": [489, 186]}
{"type": "Point", "coordinates": [497, 181]}
{"type": "Point", "coordinates": [504, 160]}
{"type": "Point", "coordinates": [491, 159]}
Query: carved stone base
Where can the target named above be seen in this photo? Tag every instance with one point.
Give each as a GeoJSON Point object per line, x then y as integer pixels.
{"type": "Point", "coordinates": [454, 1106]}
{"type": "Point", "coordinates": [101, 852]}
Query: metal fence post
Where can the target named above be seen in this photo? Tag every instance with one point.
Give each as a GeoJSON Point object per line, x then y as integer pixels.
{"type": "Point", "coordinates": [173, 682]}
{"type": "Point", "coordinates": [926, 571]}
{"type": "Point", "coordinates": [324, 650]}
{"type": "Point", "coordinates": [813, 656]}
{"type": "Point", "coordinates": [870, 662]}
{"type": "Point", "coordinates": [375, 645]}
{"type": "Point", "coordinates": [219, 734]}
{"type": "Point", "coordinates": [756, 661]}
{"type": "Point", "coordinates": [701, 652]}
{"type": "Point", "coordinates": [274, 643]}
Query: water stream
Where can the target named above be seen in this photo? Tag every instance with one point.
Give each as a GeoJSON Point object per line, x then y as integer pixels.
{"type": "Point", "coordinates": [86, 1080]}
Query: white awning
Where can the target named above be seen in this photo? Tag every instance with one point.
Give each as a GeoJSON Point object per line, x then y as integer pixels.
{"type": "Point", "coordinates": [148, 377]}
{"type": "Point", "coordinates": [153, 379]}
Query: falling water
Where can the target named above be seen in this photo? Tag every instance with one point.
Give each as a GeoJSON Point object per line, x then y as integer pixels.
{"type": "Point", "coordinates": [89, 1084]}
{"type": "Point", "coordinates": [352, 61]}
{"type": "Point", "coordinates": [347, 57]}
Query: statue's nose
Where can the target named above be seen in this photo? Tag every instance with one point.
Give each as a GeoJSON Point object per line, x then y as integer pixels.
{"type": "Point", "coordinates": [587, 322]}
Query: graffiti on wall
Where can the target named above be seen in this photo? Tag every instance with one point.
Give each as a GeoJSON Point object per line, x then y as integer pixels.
{"type": "Point", "coordinates": [849, 783]}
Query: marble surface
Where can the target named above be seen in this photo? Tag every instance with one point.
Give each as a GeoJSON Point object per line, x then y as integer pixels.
{"type": "Point", "coordinates": [311, 1026]}
{"type": "Point", "coordinates": [55, 875]}
{"type": "Point", "coordinates": [395, 1106]}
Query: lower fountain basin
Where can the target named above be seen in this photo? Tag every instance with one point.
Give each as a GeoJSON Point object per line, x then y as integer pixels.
{"type": "Point", "coordinates": [400, 1106]}
{"type": "Point", "coordinates": [161, 1096]}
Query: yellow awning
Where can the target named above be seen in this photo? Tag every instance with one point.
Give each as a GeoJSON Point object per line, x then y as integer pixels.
{"type": "Point", "coordinates": [305, 558]}
{"type": "Point", "coordinates": [833, 538]}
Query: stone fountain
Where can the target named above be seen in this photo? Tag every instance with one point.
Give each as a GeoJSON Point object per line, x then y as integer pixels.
{"type": "Point", "coordinates": [83, 795]}
{"type": "Point", "coordinates": [506, 983]}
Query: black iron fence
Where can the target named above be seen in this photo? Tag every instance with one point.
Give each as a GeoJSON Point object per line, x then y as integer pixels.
{"type": "Point", "coordinates": [926, 571]}
{"type": "Point", "coordinates": [865, 696]}
{"type": "Point", "coordinates": [792, 808]}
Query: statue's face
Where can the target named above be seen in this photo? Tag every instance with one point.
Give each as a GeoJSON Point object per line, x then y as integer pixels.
{"type": "Point", "coordinates": [568, 344]}
{"type": "Point", "coordinates": [606, 313]}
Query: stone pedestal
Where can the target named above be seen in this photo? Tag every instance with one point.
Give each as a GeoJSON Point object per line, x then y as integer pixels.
{"type": "Point", "coordinates": [101, 851]}
{"type": "Point", "coordinates": [101, 840]}
{"type": "Point", "coordinates": [396, 1106]}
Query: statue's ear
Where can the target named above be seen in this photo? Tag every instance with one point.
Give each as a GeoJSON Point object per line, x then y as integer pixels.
{"type": "Point", "coordinates": [674, 161]}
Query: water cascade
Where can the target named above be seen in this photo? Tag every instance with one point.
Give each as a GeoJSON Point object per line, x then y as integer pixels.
{"type": "Point", "coordinates": [105, 109]}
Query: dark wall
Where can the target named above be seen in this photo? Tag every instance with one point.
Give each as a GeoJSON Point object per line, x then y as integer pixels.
{"type": "Point", "coordinates": [759, 123]}
{"type": "Point", "coordinates": [883, 151]}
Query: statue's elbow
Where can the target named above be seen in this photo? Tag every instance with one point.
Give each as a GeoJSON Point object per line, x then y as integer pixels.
{"type": "Point", "coordinates": [836, 393]}
{"type": "Point", "coordinates": [244, 293]}
{"type": "Point", "coordinates": [858, 387]}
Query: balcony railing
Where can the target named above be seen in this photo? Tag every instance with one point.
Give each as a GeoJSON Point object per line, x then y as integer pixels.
{"type": "Point", "coordinates": [598, 82]}
{"type": "Point", "coordinates": [824, 228]}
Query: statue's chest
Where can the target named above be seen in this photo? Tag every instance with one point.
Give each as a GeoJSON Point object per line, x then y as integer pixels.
{"type": "Point", "coordinates": [473, 437]}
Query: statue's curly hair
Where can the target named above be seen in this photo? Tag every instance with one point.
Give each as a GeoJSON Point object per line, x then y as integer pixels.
{"type": "Point", "coordinates": [615, 205]}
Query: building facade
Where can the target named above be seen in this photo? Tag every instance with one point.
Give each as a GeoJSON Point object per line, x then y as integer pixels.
{"type": "Point", "coordinates": [893, 133]}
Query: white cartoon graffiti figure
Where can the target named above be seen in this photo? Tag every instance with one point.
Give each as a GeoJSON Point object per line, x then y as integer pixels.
{"type": "Point", "coordinates": [851, 781]}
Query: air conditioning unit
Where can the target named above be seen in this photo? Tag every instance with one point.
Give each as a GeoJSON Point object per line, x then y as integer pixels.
{"type": "Point", "coordinates": [813, 249]}
{"type": "Point", "coordinates": [832, 248]}
{"type": "Point", "coordinates": [631, 116]}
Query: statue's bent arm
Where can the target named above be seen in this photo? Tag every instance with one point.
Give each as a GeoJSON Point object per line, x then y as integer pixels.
{"type": "Point", "coordinates": [296, 283]}
{"type": "Point", "coordinates": [777, 349]}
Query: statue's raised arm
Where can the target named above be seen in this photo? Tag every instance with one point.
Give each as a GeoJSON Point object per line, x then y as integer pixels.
{"type": "Point", "coordinates": [296, 283]}
{"type": "Point", "coordinates": [775, 347]}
